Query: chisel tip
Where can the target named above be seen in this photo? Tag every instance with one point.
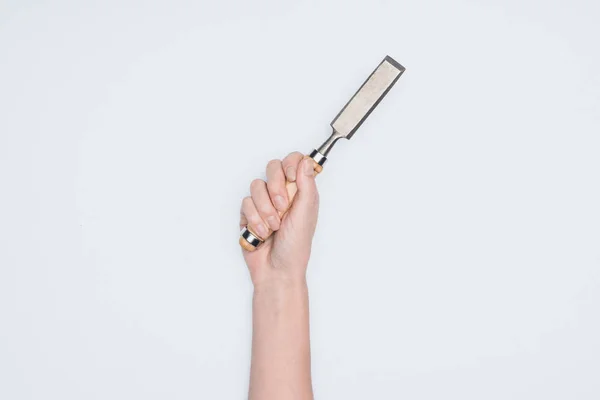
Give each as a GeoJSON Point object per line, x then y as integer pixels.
{"type": "Point", "coordinates": [395, 63]}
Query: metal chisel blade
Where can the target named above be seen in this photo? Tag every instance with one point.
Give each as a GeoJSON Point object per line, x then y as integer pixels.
{"type": "Point", "coordinates": [356, 111]}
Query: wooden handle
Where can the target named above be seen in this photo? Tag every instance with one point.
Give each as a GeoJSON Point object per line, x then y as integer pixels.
{"type": "Point", "coordinates": [292, 189]}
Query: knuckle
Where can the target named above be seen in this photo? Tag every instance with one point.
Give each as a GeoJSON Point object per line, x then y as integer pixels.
{"type": "Point", "coordinates": [266, 210]}
{"type": "Point", "coordinates": [293, 157]}
{"type": "Point", "coordinates": [254, 221]}
{"type": "Point", "coordinates": [273, 163]}
{"type": "Point", "coordinates": [256, 184]}
{"type": "Point", "coordinates": [275, 185]}
{"type": "Point", "coordinates": [246, 201]}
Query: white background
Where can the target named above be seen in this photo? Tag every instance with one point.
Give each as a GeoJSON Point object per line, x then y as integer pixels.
{"type": "Point", "coordinates": [458, 251]}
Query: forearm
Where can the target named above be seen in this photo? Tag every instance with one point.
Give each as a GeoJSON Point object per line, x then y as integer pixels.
{"type": "Point", "coordinates": [280, 331]}
{"type": "Point", "coordinates": [280, 342]}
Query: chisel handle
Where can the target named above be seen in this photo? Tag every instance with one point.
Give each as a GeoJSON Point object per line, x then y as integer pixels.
{"type": "Point", "coordinates": [249, 240]}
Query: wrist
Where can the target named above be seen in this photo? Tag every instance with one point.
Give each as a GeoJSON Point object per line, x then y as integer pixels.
{"type": "Point", "coordinates": [280, 297]}
{"type": "Point", "coordinates": [268, 276]}
{"type": "Point", "coordinates": [280, 283]}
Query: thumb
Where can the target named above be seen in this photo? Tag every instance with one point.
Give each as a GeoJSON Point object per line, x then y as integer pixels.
{"type": "Point", "coordinates": [306, 203]}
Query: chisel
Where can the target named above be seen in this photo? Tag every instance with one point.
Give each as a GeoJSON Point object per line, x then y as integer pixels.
{"type": "Point", "coordinates": [344, 125]}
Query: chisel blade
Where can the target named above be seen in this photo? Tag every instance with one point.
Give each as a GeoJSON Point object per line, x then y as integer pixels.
{"type": "Point", "coordinates": [364, 101]}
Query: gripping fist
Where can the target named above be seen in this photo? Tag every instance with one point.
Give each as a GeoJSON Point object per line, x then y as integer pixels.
{"type": "Point", "coordinates": [284, 255]}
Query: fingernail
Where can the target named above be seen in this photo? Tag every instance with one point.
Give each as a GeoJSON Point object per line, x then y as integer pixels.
{"type": "Point", "coordinates": [273, 223]}
{"type": "Point", "coordinates": [290, 173]}
{"type": "Point", "coordinates": [280, 203]}
{"type": "Point", "coordinates": [262, 231]}
{"type": "Point", "coordinates": [307, 167]}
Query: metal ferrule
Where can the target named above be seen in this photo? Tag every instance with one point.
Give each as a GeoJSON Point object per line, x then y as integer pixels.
{"type": "Point", "coordinates": [250, 238]}
{"type": "Point", "coordinates": [318, 157]}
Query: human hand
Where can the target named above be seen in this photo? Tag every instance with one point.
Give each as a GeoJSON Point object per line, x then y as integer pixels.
{"type": "Point", "coordinates": [284, 255]}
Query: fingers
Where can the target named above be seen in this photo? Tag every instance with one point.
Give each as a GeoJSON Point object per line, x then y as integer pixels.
{"type": "Point", "coordinates": [261, 210]}
{"type": "Point", "coordinates": [251, 217]}
{"type": "Point", "coordinates": [290, 165]}
{"type": "Point", "coordinates": [262, 202]}
{"type": "Point", "coordinates": [276, 186]}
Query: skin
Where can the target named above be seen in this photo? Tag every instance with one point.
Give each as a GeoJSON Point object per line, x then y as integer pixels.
{"type": "Point", "coordinates": [280, 367]}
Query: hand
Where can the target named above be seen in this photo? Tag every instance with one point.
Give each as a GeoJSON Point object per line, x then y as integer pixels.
{"type": "Point", "coordinates": [284, 255]}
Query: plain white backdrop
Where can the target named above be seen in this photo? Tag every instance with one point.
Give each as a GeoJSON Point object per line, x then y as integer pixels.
{"type": "Point", "coordinates": [458, 250]}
